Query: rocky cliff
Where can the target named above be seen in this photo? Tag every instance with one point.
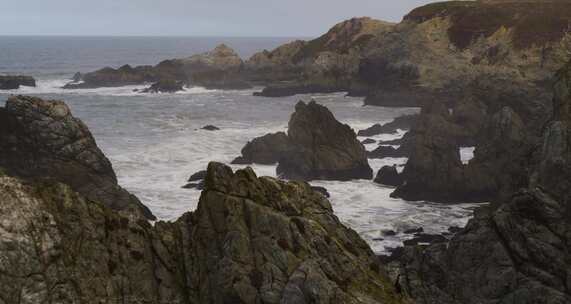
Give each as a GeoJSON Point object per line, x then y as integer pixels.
{"type": "Point", "coordinates": [516, 250]}
{"type": "Point", "coordinates": [251, 240]}
{"type": "Point", "coordinates": [41, 139]}
{"type": "Point", "coordinates": [316, 146]}
{"type": "Point", "coordinates": [14, 82]}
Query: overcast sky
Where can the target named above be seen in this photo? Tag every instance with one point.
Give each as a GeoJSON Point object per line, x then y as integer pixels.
{"type": "Point", "coordinates": [190, 17]}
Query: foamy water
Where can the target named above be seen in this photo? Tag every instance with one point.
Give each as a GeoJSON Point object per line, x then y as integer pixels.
{"type": "Point", "coordinates": [155, 143]}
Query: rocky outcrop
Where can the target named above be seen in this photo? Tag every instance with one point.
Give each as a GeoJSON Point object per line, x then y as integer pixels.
{"type": "Point", "coordinates": [216, 69]}
{"type": "Point", "coordinates": [402, 122]}
{"type": "Point", "coordinates": [251, 240]}
{"type": "Point", "coordinates": [317, 146]}
{"type": "Point", "coordinates": [325, 148]}
{"type": "Point", "coordinates": [388, 175]}
{"type": "Point", "coordinates": [268, 149]}
{"type": "Point", "coordinates": [14, 82]}
{"type": "Point", "coordinates": [517, 249]}
{"type": "Point", "coordinates": [41, 139]}
{"type": "Point", "coordinates": [164, 86]}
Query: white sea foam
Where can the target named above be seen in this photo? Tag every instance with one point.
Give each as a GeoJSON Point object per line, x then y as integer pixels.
{"type": "Point", "coordinates": [55, 86]}
{"type": "Point", "coordinates": [466, 154]}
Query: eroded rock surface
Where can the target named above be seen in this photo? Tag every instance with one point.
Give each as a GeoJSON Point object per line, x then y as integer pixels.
{"type": "Point", "coordinates": [41, 139]}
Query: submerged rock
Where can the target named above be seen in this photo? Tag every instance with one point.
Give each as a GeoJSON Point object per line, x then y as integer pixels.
{"type": "Point", "coordinates": [14, 82]}
{"type": "Point", "coordinates": [250, 239]}
{"type": "Point", "coordinates": [41, 139]}
{"type": "Point", "coordinates": [210, 128]}
{"type": "Point", "coordinates": [368, 141]}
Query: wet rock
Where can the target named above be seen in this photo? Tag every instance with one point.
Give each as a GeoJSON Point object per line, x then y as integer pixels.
{"type": "Point", "coordinates": [165, 86]}
{"type": "Point", "coordinates": [389, 233]}
{"type": "Point", "coordinates": [425, 239]}
{"type": "Point", "coordinates": [325, 148]}
{"type": "Point", "coordinates": [282, 243]}
{"type": "Point", "coordinates": [268, 149]}
{"type": "Point", "coordinates": [41, 139]}
{"type": "Point", "coordinates": [77, 77]}
{"type": "Point", "coordinates": [200, 175]}
{"type": "Point", "coordinates": [368, 141]}
{"type": "Point", "coordinates": [210, 128]}
{"type": "Point", "coordinates": [295, 89]}
{"type": "Point", "coordinates": [414, 231]}
{"type": "Point", "coordinates": [388, 175]}
{"type": "Point", "coordinates": [321, 190]}
{"type": "Point", "coordinates": [386, 151]}
{"type": "Point", "coordinates": [402, 122]}
{"type": "Point", "coordinates": [14, 82]}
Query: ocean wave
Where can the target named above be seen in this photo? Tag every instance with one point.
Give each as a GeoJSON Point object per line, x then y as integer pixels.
{"type": "Point", "coordinates": [55, 86]}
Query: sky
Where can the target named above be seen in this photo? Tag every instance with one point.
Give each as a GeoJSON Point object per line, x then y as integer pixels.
{"type": "Point", "coordinates": [287, 18]}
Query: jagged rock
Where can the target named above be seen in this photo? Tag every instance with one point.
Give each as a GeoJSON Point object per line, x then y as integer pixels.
{"type": "Point", "coordinates": [515, 250]}
{"type": "Point", "coordinates": [386, 151]}
{"type": "Point", "coordinates": [251, 239]}
{"type": "Point", "coordinates": [388, 175]}
{"type": "Point", "coordinates": [321, 190]}
{"type": "Point", "coordinates": [14, 82]}
{"type": "Point", "coordinates": [402, 122]}
{"type": "Point", "coordinates": [77, 77]}
{"type": "Point", "coordinates": [325, 148]}
{"type": "Point", "coordinates": [210, 128]}
{"type": "Point", "coordinates": [165, 86]}
{"type": "Point", "coordinates": [41, 139]}
{"type": "Point", "coordinates": [268, 149]}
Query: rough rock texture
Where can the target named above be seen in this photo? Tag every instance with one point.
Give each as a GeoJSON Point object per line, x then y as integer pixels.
{"type": "Point", "coordinates": [317, 146]}
{"type": "Point", "coordinates": [515, 251]}
{"type": "Point", "coordinates": [219, 68]}
{"type": "Point", "coordinates": [251, 240]}
{"type": "Point", "coordinates": [268, 149]}
{"type": "Point", "coordinates": [324, 148]}
{"type": "Point", "coordinates": [14, 82]}
{"type": "Point", "coordinates": [41, 138]}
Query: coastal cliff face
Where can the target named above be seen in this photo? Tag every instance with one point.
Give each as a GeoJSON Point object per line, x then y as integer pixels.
{"type": "Point", "coordinates": [516, 250]}
{"type": "Point", "coordinates": [434, 53]}
{"type": "Point", "coordinates": [251, 240]}
{"type": "Point", "coordinates": [67, 235]}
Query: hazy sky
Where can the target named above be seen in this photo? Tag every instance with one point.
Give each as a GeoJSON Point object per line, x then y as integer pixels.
{"type": "Point", "coordinates": [190, 17]}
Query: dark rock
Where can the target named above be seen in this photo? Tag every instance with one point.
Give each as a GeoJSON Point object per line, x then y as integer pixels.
{"type": "Point", "coordinates": [197, 186]}
{"type": "Point", "coordinates": [368, 141]}
{"type": "Point", "coordinates": [14, 82]}
{"type": "Point", "coordinates": [392, 142]}
{"type": "Point", "coordinates": [325, 148]}
{"type": "Point", "coordinates": [454, 229]}
{"type": "Point", "coordinates": [415, 230]}
{"type": "Point", "coordinates": [41, 139]}
{"type": "Point", "coordinates": [268, 149]}
{"type": "Point", "coordinates": [389, 233]}
{"type": "Point", "coordinates": [77, 77]}
{"type": "Point", "coordinates": [210, 128]}
{"type": "Point", "coordinates": [321, 190]}
{"type": "Point", "coordinates": [165, 86]}
{"type": "Point", "coordinates": [422, 238]}
{"type": "Point", "coordinates": [388, 175]}
{"type": "Point", "coordinates": [402, 122]}
{"type": "Point", "coordinates": [306, 252]}
{"type": "Point", "coordinates": [200, 175]}
{"type": "Point", "coordinates": [386, 151]}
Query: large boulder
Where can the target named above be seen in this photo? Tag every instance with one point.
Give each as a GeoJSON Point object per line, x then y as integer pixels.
{"type": "Point", "coordinates": [251, 240]}
{"type": "Point", "coordinates": [268, 149]}
{"type": "Point", "coordinates": [389, 176]}
{"type": "Point", "coordinates": [14, 82]}
{"type": "Point", "coordinates": [41, 139]}
{"type": "Point", "coordinates": [325, 148]}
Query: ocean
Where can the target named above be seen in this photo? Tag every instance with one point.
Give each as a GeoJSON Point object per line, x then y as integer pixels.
{"type": "Point", "coordinates": [155, 143]}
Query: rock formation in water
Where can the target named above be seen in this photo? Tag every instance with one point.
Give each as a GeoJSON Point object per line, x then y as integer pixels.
{"type": "Point", "coordinates": [216, 69]}
{"type": "Point", "coordinates": [404, 122]}
{"type": "Point", "coordinates": [516, 250]}
{"type": "Point", "coordinates": [317, 146]}
{"type": "Point", "coordinates": [165, 86]}
{"type": "Point", "coordinates": [251, 240]}
{"type": "Point", "coordinates": [41, 139]}
{"type": "Point", "coordinates": [389, 176]}
{"type": "Point", "coordinates": [14, 82]}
